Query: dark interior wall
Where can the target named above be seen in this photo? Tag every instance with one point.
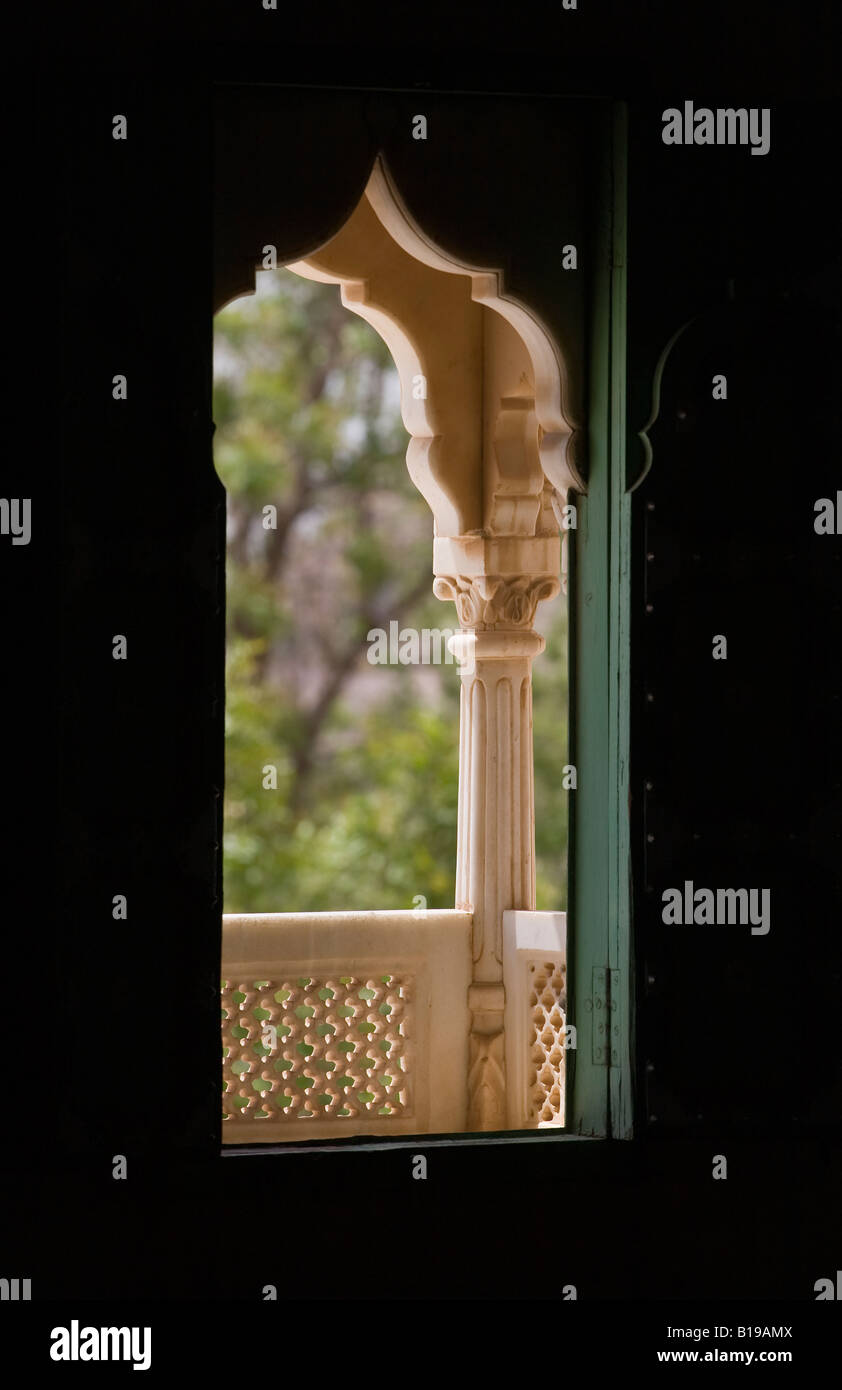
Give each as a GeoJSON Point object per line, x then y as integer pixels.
{"type": "Point", "coordinates": [736, 763]}
{"type": "Point", "coordinates": [113, 770]}
{"type": "Point", "coordinates": [141, 555]}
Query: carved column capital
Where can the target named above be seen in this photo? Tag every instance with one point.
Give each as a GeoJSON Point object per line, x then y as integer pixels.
{"type": "Point", "coordinates": [494, 601]}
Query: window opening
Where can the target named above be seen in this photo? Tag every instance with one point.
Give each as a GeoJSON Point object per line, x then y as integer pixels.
{"type": "Point", "coordinates": [342, 756]}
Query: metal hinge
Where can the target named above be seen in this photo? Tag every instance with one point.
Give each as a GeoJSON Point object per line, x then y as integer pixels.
{"type": "Point", "coordinates": [605, 1017]}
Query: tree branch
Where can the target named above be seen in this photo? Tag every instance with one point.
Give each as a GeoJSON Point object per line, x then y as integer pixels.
{"type": "Point", "coordinates": [304, 758]}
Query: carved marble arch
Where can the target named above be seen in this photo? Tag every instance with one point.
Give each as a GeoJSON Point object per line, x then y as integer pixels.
{"type": "Point", "coordinates": [493, 448]}
{"type": "Point", "coordinates": [493, 451]}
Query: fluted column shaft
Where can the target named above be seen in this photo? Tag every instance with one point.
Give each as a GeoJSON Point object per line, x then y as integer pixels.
{"type": "Point", "coordinates": [495, 867]}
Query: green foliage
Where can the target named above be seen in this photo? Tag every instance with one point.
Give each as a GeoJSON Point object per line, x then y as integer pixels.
{"type": "Point", "coordinates": [364, 813]}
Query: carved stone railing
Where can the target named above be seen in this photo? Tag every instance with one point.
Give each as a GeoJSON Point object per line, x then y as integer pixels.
{"type": "Point", "coordinates": [345, 1023]}
{"type": "Point", "coordinates": [538, 1035]}
{"type": "Point", "coordinates": [360, 1023]}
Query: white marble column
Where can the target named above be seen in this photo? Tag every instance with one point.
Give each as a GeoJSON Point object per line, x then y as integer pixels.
{"type": "Point", "coordinates": [495, 867]}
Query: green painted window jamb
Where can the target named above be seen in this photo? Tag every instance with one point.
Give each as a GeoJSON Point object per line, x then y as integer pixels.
{"type": "Point", "coordinates": [599, 1100]}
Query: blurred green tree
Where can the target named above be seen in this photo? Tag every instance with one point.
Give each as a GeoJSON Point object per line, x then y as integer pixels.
{"type": "Point", "coordinates": [327, 539]}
